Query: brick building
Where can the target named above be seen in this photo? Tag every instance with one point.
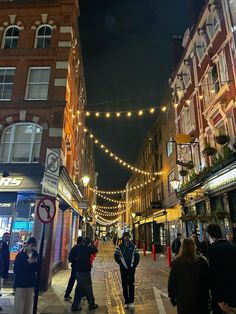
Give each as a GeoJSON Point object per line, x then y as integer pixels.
{"type": "Point", "coordinates": [42, 96]}
{"type": "Point", "coordinates": [204, 94]}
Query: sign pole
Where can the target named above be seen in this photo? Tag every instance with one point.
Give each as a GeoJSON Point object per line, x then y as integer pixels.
{"type": "Point", "coordinates": [36, 293]}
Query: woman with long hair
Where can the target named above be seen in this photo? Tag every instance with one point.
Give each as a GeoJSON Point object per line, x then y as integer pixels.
{"type": "Point", "coordinates": [188, 285]}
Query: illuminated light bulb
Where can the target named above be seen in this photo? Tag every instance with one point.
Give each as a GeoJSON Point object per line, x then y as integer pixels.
{"type": "Point", "coordinates": [108, 115]}
{"type": "Point", "coordinates": [91, 135]}
{"type": "Point", "coordinates": [140, 113]}
{"type": "Point", "coordinates": [78, 112]}
{"type": "Point", "coordinates": [116, 158]}
{"type": "Point", "coordinates": [102, 146]}
{"type": "Point", "coordinates": [149, 181]}
{"type": "Point", "coordinates": [106, 150]}
{"type": "Point", "coordinates": [128, 166]}
{"type": "Point", "coordinates": [200, 96]}
{"type": "Point", "coordinates": [212, 90]}
{"type": "Point", "coordinates": [111, 154]}
{"type": "Point", "coordinates": [153, 179]}
{"type": "Point", "coordinates": [124, 163]}
{"type": "Point", "coordinates": [118, 114]}
{"type": "Point", "coordinates": [135, 169]}
{"type": "Point", "coordinates": [73, 116]}
{"type": "Point", "coordinates": [87, 113]}
{"type": "Point", "coordinates": [120, 161]}
{"type": "Point", "coordinates": [129, 114]}
{"type": "Point", "coordinates": [176, 105]}
{"type": "Point", "coordinates": [132, 168]}
{"type": "Point", "coordinates": [85, 130]}
{"type": "Point", "coordinates": [188, 101]}
{"type": "Point", "coordinates": [152, 110]}
{"type": "Point", "coordinates": [96, 141]}
{"type": "Point", "coordinates": [163, 109]}
{"type": "Point", "coordinates": [79, 123]}
{"type": "Point", "coordinates": [97, 114]}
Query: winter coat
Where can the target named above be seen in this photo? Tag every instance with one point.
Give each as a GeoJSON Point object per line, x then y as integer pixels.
{"type": "Point", "coordinates": [176, 246]}
{"type": "Point", "coordinates": [188, 286]}
{"type": "Point", "coordinates": [127, 256]}
{"type": "Point", "coordinates": [82, 255]}
{"type": "Point", "coordinates": [1, 265]}
{"type": "Point", "coordinates": [222, 262]}
{"type": "Point", "coordinates": [5, 252]}
{"type": "Point", "coordinates": [25, 273]}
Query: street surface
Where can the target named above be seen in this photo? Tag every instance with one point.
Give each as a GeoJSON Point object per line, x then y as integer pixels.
{"type": "Point", "coordinates": [150, 294]}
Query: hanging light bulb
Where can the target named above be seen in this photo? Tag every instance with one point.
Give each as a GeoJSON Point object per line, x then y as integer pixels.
{"type": "Point", "coordinates": [85, 130]}
{"type": "Point", "coordinates": [97, 114]}
{"type": "Point", "coordinates": [108, 115]}
{"type": "Point", "coordinates": [163, 109]}
{"type": "Point", "coordinates": [106, 150]}
{"type": "Point", "coordinates": [79, 123]}
{"type": "Point", "coordinates": [87, 113]}
{"type": "Point", "coordinates": [129, 114]}
{"type": "Point", "coordinates": [91, 135]}
{"type": "Point", "coordinates": [201, 97]}
{"type": "Point", "coordinates": [188, 101]}
{"type": "Point", "coordinates": [152, 110]}
{"type": "Point", "coordinates": [176, 105]}
{"type": "Point", "coordinates": [118, 114]}
{"type": "Point", "coordinates": [102, 146]}
{"type": "Point", "coordinates": [96, 141]}
{"type": "Point", "coordinates": [140, 113]}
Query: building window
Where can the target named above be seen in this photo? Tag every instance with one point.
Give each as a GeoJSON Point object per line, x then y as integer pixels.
{"type": "Point", "coordinates": [37, 85]}
{"type": "Point", "coordinates": [6, 83]}
{"type": "Point", "coordinates": [10, 38]}
{"type": "Point", "coordinates": [186, 74]}
{"type": "Point", "coordinates": [43, 36]}
{"type": "Point", "coordinates": [171, 177]}
{"type": "Point", "coordinates": [21, 143]}
{"type": "Point", "coordinates": [214, 80]}
{"type": "Point", "coordinates": [201, 45]}
{"type": "Point", "coordinates": [213, 24]}
{"type": "Point", "coordinates": [223, 69]}
{"type": "Point", "coordinates": [169, 147]}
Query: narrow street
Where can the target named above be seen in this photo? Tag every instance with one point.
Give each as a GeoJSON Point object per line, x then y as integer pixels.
{"type": "Point", "coordinates": [151, 288]}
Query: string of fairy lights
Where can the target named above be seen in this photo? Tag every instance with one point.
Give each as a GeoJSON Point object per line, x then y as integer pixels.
{"type": "Point", "coordinates": [110, 207]}
{"type": "Point", "coordinates": [114, 200]}
{"type": "Point", "coordinates": [115, 157]}
{"type": "Point", "coordinates": [110, 214]}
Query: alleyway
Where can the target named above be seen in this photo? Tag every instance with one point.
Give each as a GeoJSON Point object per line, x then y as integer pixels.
{"type": "Point", "coordinates": [151, 288]}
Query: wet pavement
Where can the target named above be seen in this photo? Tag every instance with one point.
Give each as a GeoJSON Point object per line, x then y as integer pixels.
{"type": "Point", "coordinates": [150, 293]}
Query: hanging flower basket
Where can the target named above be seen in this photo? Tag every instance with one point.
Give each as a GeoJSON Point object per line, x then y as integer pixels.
{"type": "Point", "coordinates": [183, 173]}
{"type": "Point", "coordinates": [222, 139]}
{"type": "Point", "coordinates": [221, 215]}
{"type": "Point", "coordinates": [204, 218]}
{"type": "Point", "coordinates": [209, 151]}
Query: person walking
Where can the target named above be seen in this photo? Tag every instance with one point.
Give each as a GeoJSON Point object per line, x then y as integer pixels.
{"type": "Point", "coordinates": [114, 240]}
{"type": "Point", "coordinates": [188, 284]}
{"type": "Point", "coordinates": [1, 264]}
{"type": "Point", "coordinates": [25, 268]}
{"type": "Point", "coordinates": [73, 259]}
{"type": "Point", "coordinates": [176, 244]}
{"type": "Point", "coordinates": [127, 256]}
{"type": "Point", "coordinates": [5, 258]}
{"type": "Point", "coordinates": [222, 260]}
{"type": "Point", "coordinates": [84, 281]}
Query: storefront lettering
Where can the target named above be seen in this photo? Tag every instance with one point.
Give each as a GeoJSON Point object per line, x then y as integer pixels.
{"type": "Point", "coordinates": [11, 181]}
{"type": "Point", "coordinates": [221, 181]}
{"type": "Point", "coordinates": [5, 205]}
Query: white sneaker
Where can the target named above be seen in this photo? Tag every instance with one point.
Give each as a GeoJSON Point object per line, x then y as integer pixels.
{"type": "Point", "coordinates": [131, 306]}
{"type": "Point", "coordinates": [126, 306]}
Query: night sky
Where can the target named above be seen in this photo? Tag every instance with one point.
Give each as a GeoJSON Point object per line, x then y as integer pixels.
{"type": "Point", "coordinates": [127, 58]}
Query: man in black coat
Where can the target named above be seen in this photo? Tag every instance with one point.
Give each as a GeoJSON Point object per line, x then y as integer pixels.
{"type": "Point", "coordinates": [73, 259]}
{"type": "Point", "coordinates": [5, 252]}
{"type": "Point", "coordinates": [127, 256]}
{"type": "Point", "coordinates": [176, 244]}
{"type": "Point", "coordinates": [222, 261]}
{"type": "Point", "coordinates": [84, 287]}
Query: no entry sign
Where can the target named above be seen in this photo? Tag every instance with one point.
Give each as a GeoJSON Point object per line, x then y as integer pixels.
{"type": "Point", "coordinates": [46, 210]}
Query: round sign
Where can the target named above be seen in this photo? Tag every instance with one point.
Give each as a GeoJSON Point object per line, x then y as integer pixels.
{"type": "Point", "coordinates": [46, 210]}
{"type": "Point", "coordinates": [52, 162]}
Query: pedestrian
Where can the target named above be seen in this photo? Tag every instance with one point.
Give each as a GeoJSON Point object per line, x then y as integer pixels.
{"type": "Point", "coordinates": [188, 285]}
{"type": "Point", "coordinates": [6, 259]}
{"type": "Point", "coordinates": [127, 256]}
{"type": "Point", "coordinates": [104, 240]}
{"type": "Point", "coordinates": [84, 281]}
{"type": "Point", "coordinates": [73, 259]}
{"type": "Point", "coordinates": [25, 268]}
{"type": "Point", "coordinates": [204, 245]}
{"type": "Point", "coordinates": [1, 264]}
{"type": "Point", "coordinates": [222, 260]}
{"type": "Point", "coordinates": [176, 244]}
{"type": "Point", "coordinates": [114, 240]}
{"type": "Point", "coordinates": [196, 241]}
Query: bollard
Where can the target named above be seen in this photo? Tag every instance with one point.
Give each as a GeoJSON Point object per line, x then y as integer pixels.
{"type": "Point", "coordinates": [144, 249]}
{"type": "Point", "coordinates": [168, 256]}
{"type": "Point", "coordinates": [154, 252]}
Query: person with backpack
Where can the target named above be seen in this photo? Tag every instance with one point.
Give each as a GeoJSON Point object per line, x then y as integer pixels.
{"type": "Point", "coordinates": [176, 244]}
{"type": "Point", "coordinates": [127, 256]}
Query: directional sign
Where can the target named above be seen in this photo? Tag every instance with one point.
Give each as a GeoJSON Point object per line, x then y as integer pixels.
{"type": "Point", "coordinates": [46, 210]}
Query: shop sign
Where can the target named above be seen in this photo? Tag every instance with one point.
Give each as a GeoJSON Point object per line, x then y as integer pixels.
{"type": "Point", "coordinates": [183, 138]}
{"type": "Point", "coordinates": [11, 182]}
{"type": "Point", "coordinates": [51, 173]}
{"type": "Point", "coordinates": [221, 181]}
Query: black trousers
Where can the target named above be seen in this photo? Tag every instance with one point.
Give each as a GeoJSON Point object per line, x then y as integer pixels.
{"type": "Point", "coordinates": [83, 288]}
{"type": "Point", "coordinates": [127, 278]}
{"type": "Point", "coordinates": [71, 281]}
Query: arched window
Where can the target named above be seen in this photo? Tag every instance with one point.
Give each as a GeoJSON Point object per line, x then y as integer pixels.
{"type": "Point", "coordinates": [10, 38]}
{"type": "Point", "coordinates": [43, 36]}
{"type": "Point", "coordinates": [21, 143]}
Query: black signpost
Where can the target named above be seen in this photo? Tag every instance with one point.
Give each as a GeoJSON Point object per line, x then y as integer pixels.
{"type": "Point", "coordinates": [46, 211]}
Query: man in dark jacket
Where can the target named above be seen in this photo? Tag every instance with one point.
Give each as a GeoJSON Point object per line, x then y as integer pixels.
{"type": "Point", "coordinates": [73, 259]}
{"type": "Point", "coordinates": [25, 268]}
{"type": "Point", "coordinates": [84, 287]}
{"type": "Point", "coordinates": [5, 258]}
{"type": "Point", "coordinates": [1, 264]}
{"type": "Point", "coordinates": [127, 256]}
{"type": "Point", "coordinates": [176, 244]}
{"type": "Point", "coordinates": [222, 259]}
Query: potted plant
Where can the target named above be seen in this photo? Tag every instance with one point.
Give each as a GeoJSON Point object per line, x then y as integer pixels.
{"type": "Point", "coordinates": [183, 172]}
{"type": "Point", "coordinates": [222, 139]}
{"type": "Point", "coordinates": [209, 150]}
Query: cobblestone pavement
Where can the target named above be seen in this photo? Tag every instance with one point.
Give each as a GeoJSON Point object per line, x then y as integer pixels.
{"type": "Point", "coordinates": [150, 293]}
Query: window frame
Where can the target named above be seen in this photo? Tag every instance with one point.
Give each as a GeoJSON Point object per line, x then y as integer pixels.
{"type": "Point", "coordinates": [169, 143]}
{"type": "Point", "coordinates": [12, 142]}
{"type": "Point", "coordinates": [8, 68]}
{"type": "Point", "coordinates": [28, 84]}
{"type": "Point", "coordinates": [12, 37]}
{"type": "Point", "coordinates": [44, 37]}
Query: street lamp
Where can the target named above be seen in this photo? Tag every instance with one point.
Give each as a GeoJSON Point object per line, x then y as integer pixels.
{"type": "Point", "coordinates": [85, 180]}
{"type": "Point", "coordinates": [175, 185]}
